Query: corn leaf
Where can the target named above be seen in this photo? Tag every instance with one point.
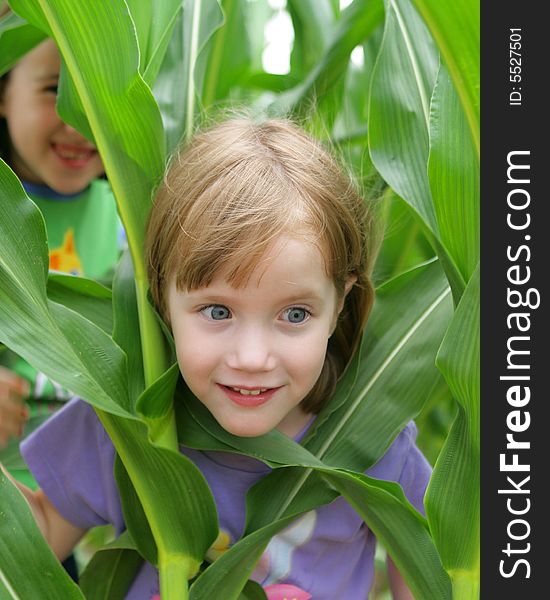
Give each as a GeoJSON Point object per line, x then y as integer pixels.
{"type": "Point", "coordinates": [225, 69]}
{"type": "Point", "coordinates": [200, 20]}
{"type": "Point", "coordinates": [399, 105]}
{"type": "Point", "coordinates": [184, 76]}
{"type": "Point", "coordinates": [399, 119]}
{"type": "Point", "coordinates": [66, 346]}
{"type": "Point", "coordinates": [84, 296]}
{"type": "Point", "coordinates": [358, 21]}
{"type": "Point", "coordinates": [21, 543]}
{"type": "Point", "coordinates": [452, 502]}
{"type": "Point", "coordinates": [185, 524]}
{"type": "Point", "coordinates": [16, 38]}
{"type": "Point", "coordinates": [125, 330]}
{"type": "Point", "coordinates": [404, 244]}
{"type": "Point", "coordinates": [384, 508]}
{"type": "Point", "coordinates": [111, 570]}
{"type": "Point", "coordinates": [453, 169]}
{"type": "Point", "coordinates": [313, 22]}
{"type": "Point", "coordinates": [154, 23]}
{"type": "Point", "coordinates": [402, 530]}
{"type": "Point", "coordinates": [228, 575]}
{"type": "Point", "coordinates": [455, 28]}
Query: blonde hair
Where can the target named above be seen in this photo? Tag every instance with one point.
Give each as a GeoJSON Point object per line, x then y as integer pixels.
{"type": "Point", "coordinates": [232, 191]}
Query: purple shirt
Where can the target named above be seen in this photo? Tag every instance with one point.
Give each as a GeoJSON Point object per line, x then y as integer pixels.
{"type": "Point", "coordinates": [328, 553]}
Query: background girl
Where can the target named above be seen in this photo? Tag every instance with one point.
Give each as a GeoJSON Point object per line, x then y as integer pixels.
{"type": "Point", "coordinates": [60, 170]}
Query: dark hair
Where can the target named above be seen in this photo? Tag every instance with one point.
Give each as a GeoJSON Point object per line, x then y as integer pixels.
{"type": "Point", "coordinates": [4, 136]}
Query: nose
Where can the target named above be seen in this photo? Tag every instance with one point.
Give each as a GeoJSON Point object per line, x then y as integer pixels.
{"type": "Point", "coordinates": [72, 131]}
{"type": "Point", "coordinates": [252, 350]}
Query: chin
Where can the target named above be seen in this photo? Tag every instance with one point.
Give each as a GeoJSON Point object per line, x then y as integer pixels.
{"type": "Point", "coordinates": [245, 431]}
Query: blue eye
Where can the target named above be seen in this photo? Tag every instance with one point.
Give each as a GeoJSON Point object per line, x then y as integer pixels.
{"type": "Point", "coordinates": [296, 314]}
{"type": "Point", "coordinates": [216, 312]}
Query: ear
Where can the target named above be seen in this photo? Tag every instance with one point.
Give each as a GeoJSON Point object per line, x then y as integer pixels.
{"type": "Point", "coordinates": [350, 282]}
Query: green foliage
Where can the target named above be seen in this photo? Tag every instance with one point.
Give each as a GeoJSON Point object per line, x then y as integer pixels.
{"type": "Point", "coordinates": [21, 543]}
{"type": "Point", "coordinates": [137, 76]}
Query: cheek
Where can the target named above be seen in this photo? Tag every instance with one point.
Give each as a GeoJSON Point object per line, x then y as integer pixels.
{"type": "Point", "coordinates": [305, 360]}
{"type": "Point", "coordinates": [195, 358]}
{"type": "Point", "coordinates": [97, 167]}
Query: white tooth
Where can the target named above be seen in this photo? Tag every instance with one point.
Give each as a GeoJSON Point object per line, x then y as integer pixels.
{"type": "Point", "coordinates": [249, 392]}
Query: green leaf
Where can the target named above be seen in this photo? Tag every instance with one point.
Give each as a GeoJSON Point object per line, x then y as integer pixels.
{"type": "Point", "coordinates": [154, 23]}
{"type": "Point", "coordinates": [184, 74]}
{"type": "Point", "coordinates": [126, 330]}
{"type": "Point", "coordinates": [200, 20]}
{"type": "Point", "coordinates": [399, 119]}
{"type": "Point", "coordinates": [155, 406]}
{"type": "Point", "coordinates": [399, 105]}
{"type": "Point", "coordinates": [252, 591]}
{"type": "Point", "coordinates": [384, 508]}
{"type": "Point", "coordinates": [84, 296]}
{"type": "Point", "coordinates": [134, 515]}
{"type": "Point", "coordinates": [110, 572]}
{"type": "Point", "coordinates": [227, 576]}
{"type": "Point", "coordinates": [358, 21]}
{"type": "Point", "coordinates": [17, 37]}
{"type": "Point", "coordinates": [313, 22]}
{"type": "Point", "coordinates": [351, 124]}
{"type": "Point", "coordinates": [225, 69]}
{"type": "Point", "coordinates": [456, 29]}
{"type": "Point", "coordinates": [400, 528]}
{"type": "Point", "coordinates": [98, 44]}
{"type": "Point", "coordinates": [54, 339]}
{"type": "Point", "coordinates": [453, 169]}
{"type": "Point", "coordinates": [184, 524]}
{"type": "Point", "coordinates": [452, 501]}
{"type": "Point", "coordinates": [404, 244]}
{"type": "Point", "coordinates": [21, 543]}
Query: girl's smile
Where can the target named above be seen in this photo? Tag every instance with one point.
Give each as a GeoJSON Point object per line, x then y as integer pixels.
{"type": "Point", "coordinates": [248, 396]}
{"type": "Point", "coordinates": [74, 156]}
{"type": "Point", "coordinates": [252, 354]}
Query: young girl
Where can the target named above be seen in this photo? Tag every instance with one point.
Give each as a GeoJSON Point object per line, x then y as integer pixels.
{"type": "Point", "coordinates": [258, 259]}
{"type": "Point", "coordinates": [60, 171]}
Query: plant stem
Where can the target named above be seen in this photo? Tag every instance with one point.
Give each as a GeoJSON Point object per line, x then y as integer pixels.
{"type": "Point", "coordinates": [465, 585]}
{"type": "Point", "coordinates": [173, 573]}
{"type": "Point", "coordinates": [152, 343]}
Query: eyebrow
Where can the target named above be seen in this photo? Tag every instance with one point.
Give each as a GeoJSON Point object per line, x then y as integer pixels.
{"type": "Point", "coordinates": [305, 295]}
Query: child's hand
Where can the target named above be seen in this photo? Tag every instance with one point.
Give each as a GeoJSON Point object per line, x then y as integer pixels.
{"type": "Point", "coordinates": [13, 412]}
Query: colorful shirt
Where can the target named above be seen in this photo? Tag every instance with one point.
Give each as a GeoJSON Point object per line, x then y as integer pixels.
{"type": "Point", "coordinates": [327, 554]}
{"type": "Point", "coordinates": [83, 229]}
{"type": "Point", "coordinates": [84, 238]}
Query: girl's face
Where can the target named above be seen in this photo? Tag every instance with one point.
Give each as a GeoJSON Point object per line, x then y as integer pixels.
{"type": "Point", "coordinates": [251, 355]}
{"type": "Point", "coordinates": [43, 149]}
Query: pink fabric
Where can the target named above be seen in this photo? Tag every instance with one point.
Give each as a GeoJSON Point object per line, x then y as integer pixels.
{"type": "Point", "coordinates": [284, 591]}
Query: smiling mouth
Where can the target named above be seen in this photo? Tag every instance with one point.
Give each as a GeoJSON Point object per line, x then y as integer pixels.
{"type": "Point", "coordinates": [73, 153]}
{"type": "Point", "coordinates": [248, 396]}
